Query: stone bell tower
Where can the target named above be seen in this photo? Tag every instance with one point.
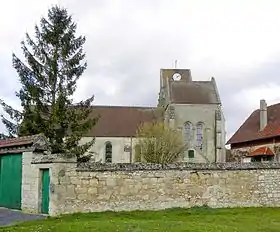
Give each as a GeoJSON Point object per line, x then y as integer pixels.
{"type": "Point", "coordinates": [167, 76]}
{"type": "Point", "coordinates": [194, 108]}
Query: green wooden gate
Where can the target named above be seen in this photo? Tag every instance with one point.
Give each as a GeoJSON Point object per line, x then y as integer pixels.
{"type": "Point", "coordinates": [45, 191]}
{"type": "Point", "coordinates": [10, 181]}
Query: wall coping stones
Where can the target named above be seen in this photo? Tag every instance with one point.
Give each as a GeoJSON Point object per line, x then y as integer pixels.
{"type": "Point", "coordinates": [41, 158]}
{"type": "Point", "coordinates": [99, 167]}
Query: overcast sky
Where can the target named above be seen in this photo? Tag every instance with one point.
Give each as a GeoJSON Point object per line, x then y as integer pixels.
{"type": "Point", "coordinates": [128, 41]}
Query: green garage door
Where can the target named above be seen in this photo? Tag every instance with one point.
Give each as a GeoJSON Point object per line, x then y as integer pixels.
{"type": "Point", "coordinates": [10, 181]}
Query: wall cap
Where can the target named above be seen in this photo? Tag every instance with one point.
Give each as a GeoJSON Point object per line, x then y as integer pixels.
{"type": "Point", "coordinates": [94, 167]}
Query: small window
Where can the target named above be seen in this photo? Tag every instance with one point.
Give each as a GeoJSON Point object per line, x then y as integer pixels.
{"type": "Point", "coordinates": [108, 152]}
{"type": "Point", "coordinates": [191, 154]}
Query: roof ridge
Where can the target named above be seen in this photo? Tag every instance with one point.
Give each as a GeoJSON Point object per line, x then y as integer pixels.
{"type": "Point", "coordinates": [115, 106]}
{"type": "Point", "coordinates": [20, 137]}
{"type": "Point", "coordinates": [274, 105]}
{"type": "Point", "coordinates": [23, 137]}
{"type": "Point", "coordinates": [203, 81]}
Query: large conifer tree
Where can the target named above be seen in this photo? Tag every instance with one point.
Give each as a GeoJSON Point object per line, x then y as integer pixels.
{"type": "Point", "coordinates": [53, 64]}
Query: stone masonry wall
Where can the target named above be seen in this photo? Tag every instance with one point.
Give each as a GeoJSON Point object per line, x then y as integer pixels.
{"type": "Point", "coordinates": [30, 181]}
{"type": "Point", "coordinates": [101, 187]}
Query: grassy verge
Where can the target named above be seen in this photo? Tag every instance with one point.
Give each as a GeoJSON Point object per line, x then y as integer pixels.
{"type": "Point", "coordinates": [191, 220]}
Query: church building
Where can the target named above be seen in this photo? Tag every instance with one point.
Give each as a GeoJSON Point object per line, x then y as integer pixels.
{"type": "Point", "coordinates": [192, 107]}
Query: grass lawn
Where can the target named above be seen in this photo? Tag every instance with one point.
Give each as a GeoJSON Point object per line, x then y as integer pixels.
{"type": "Point", "coordinates": [191, 220]}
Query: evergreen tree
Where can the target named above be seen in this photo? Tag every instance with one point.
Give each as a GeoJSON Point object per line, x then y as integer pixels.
{"type": "Point", "coordinates": [53, 64]}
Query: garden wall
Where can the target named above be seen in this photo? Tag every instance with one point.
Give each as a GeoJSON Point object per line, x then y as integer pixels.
{"type": "Point", "coordinates": [101, 187]}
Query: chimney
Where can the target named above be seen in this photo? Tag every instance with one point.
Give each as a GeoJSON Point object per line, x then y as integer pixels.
{"type": "Point", "coordinates": [263, 114]}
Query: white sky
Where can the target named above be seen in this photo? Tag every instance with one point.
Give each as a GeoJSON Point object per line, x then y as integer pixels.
{"type": "Point", "coordinates": [128, 41]}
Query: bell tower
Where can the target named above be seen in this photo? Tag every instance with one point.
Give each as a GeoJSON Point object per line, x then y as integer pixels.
{"type": "Point", "coordinates": [167, 76]}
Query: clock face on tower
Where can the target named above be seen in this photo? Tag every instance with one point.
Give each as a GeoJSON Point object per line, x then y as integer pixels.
{"type": "Point", "coordinates": [176, 77]}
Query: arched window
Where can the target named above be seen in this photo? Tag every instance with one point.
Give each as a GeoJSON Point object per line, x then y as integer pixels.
{"type": "Point", "coordinates": [199, 135]}
{"type": "Point", "coordinates": [187, 131]}
{"type": "Point", "coordinates": [108, 152]}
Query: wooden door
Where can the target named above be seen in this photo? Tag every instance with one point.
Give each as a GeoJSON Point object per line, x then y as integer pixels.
{"type": "Point", "coordinates": [45, 191]}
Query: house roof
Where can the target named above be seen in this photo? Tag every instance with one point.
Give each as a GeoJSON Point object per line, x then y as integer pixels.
{"type": "Point", "coordinates": [261, 151]}
{"type": "Point", "coordinates": [25, 143]}
{"type": "Point", "coordinates": [120, 121]}
{"type": "Point", "coordinates": [19, 141]}
{"type": "Point", "coordinates": [194, 92]}
{"type": "Point", "coordinates": [250, 129]}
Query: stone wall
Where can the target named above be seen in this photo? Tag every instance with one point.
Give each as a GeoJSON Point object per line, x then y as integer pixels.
{"type": "Point", "coordinates": [30, 181]}
{"type": "Point", "coordinates": [238, 155]}
{"type": "Point", "coordinates": [101, 187]}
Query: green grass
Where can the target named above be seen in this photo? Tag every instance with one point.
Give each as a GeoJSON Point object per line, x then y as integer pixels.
{"type": "Point", "coordinates": [191, 220]}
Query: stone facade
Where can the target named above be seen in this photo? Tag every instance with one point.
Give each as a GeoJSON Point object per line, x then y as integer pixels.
{"type": "Point", "coordinates": [123, 149]}
{"type": "Point", "coordinates": [93, 187]}
{"type": "Point", "coordinates": [30, 184]}
{"type": "Point", "coordinates": [205, 114]}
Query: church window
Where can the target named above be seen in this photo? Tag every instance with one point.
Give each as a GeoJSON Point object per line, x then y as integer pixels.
{"type": "Point", "coordinates": [199, 135]}
{"type": "Point", "coordinates": [108, 152]}
{"type": "Point", "coordinates": [187, 131]}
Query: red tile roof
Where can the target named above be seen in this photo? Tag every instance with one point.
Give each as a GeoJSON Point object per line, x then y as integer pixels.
{"type": "Point", "coordinates": [261, 151]}
{"type": "Point", "coordinates": [120, 121]}
{"type": "Point", "coordinates": [19, 141]}
{"type": "Point", "coordinates": [115, 121]}
{"type": "Point", "coordinates": [250, 129]}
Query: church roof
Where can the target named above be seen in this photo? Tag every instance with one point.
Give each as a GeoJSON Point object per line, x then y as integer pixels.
{"type": "Point", "coordinates": [250, 129]}
{"type": "Point", "coordinates": [194, 92]}
{"type": "Point", "coordinates": [120, 121]}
